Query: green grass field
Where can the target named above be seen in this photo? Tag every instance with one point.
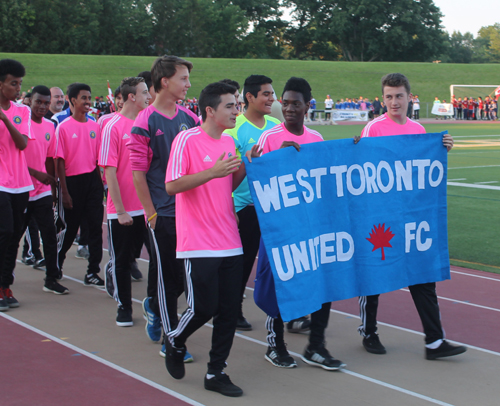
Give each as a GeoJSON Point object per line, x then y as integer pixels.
{"type": "Point", "coordinates": [339, 79]}
{"type": "Point", "coordinates": [473, 212]}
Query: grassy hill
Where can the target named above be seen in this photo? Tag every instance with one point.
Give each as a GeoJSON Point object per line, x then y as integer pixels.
{"type": "Point", "coordinates": [339, 79]}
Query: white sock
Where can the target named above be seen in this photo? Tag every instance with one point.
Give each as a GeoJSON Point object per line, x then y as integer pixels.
{"type": "Point", "coordinates": [434, 345]}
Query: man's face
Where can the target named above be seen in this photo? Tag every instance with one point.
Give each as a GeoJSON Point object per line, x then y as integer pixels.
{"type": "Point", "coordinates": [293, 107]}
{"type": "Point", "coordinates": [82, 102]}
{"type": "Point", "coordinates": [226, 112]}
{"type": "Point", "coordinates": [142, 98]}
{"type": "Point", "coordinates": [40, 105]}
{"type": "Point", "coordinates": [178, 84]}
{"type": "Point", "coordinates": [57, 99]}
{"type": "Point", "coordinates": [119, 102]}
{"type": "Point", "coordinates": [27, 101]}
{"type": "Point", "coordinates": [264, 100]}
{"type": "Point", "coordinates": [11, 87]}
{"type": "Point", "coordinates": [396, 99]}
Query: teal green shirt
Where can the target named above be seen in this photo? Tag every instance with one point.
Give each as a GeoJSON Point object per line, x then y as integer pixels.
{"type": "Point", "coordinates": [246, 135]}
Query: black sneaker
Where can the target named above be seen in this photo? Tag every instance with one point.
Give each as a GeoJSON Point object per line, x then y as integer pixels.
{"type": "Point", "coordinates": [9, 298]}
{"type": "Point", "coordinates": [444, 350]}
{"type": "Point", "coordinates": [280, 358]}
{"type": "Point", "coordinates": [135, 273]}
{"type": "Point", "coordinates": [174, 360]}
{"type": "Point", "coordinates": [300, 325]}
{"type": "Point", "coordinates": [92, 279]}
{"type": "Point", "coordinates": [30, 261]}
{"type": "Point", "coordinates": [373, 345]}
{"type": "Point", "coordinates": [39, 264]}
{"type": "Point", "coordinates": [54, 287]}
{"type": "Point", "coordinates": [4, 306]}
{"type": "Point", "coordinates": [242, 324]}
{"type": "Point", "coordinates": [220, 382]}
{"type": "Point", "coordinates": [320, 357]}
{"type": "Point", "coordinates": [124, 317]}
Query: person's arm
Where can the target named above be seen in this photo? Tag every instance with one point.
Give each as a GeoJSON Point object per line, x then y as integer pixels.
{"type": "Point", "coordinates": [240, 174]}
{"type": "Point", "coordinates": [223, 167]}
{"type": "Point", "coordinates": [114, 191]}
{"type": "Point", "coordinates": [66, 198]}
{"type": "Point", "coordinates": [142, 189]}
{"type": "Point", "coordinates": [448, 142]}
{"type": "Point", "coordinates": [50, 167]}
{"type": "Point", "coordinates": [20, 140]}
{"type": "Point", "coordinates": [42, 177]}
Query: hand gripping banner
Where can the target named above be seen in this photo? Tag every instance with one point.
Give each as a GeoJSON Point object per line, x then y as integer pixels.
{"type": "Point", "coordinates": [340, 220]}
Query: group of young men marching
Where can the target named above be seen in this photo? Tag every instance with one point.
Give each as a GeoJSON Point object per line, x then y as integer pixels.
{"type": "Point", "coordinates": [177, 183]}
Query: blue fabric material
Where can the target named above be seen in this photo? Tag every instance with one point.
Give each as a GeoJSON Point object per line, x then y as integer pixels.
{"type": "Point", "coordinates": [340, 220]}
{"type": "Point", "coordinates": [264, 293]}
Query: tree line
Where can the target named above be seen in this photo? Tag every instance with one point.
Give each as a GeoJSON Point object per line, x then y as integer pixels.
{"type": "Point", "coordinates": [350, 30]}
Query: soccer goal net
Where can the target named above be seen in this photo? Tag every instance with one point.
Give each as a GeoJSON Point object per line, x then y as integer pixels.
{"type": "Point", "coordinates": [473, 91]}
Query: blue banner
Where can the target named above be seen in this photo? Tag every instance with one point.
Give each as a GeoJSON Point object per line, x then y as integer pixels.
{"type": "Point", "coordinates": [340, 220]}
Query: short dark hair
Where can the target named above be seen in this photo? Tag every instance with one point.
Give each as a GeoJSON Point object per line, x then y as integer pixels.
{"type": "Point", "coordinates": [117, 91]}
{"type": "Point", "coordinates": [147, 78]}
{"type": "Point", "coordinates": [231, 82]}
{"type": "Point", "coordinates": [75, 88]}
{"type": "Point", "coordinates": [298, 85]}
{"type": "Point", "coordinates": [11, 67]}
{"type": "Point", "coordinates": [41, 90]}
{"type": "Point", "coordinates": [211, 96]}
{"type": "Point", "coordinates": [395, 80]}
{"type": "Point", "coordinates": [165, 67]}
{"type": "Point", "coordinates": [129, 85]}
{"type": "Point", "coordinates": [28, 95]}
{"type": "Point", "coordinates": [252, 85]}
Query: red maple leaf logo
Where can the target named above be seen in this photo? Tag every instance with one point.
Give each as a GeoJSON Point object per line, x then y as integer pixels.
{"type": "Point", "coordinates": [380, 238]}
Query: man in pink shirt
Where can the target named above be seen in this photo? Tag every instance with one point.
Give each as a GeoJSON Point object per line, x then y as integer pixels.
{"type": "Point", "coordinates": [208, 240]}
{"type": "Point", "coordinates": [81, 190]}
{"type": "Point", "coordinates": [15, 180]}
{"type": "Point", "coordinates": [40, 159]}
{"type": "Point", "coordinates": [396, 94]}
{"type": "Point", "coordinates": [295, 105]}
{"type": "Point", "coordinates": [126, 224]}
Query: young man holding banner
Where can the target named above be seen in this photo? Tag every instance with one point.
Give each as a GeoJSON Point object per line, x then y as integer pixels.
{"type": "Point", "coordinates": [293, 133]}
{"type": "Point", "coordinates": [396, 95]}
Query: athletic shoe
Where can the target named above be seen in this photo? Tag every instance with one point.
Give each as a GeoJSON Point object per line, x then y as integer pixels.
{"type": "Point", "coordinates": [188, 358]}
{"type": "Point", "coordinates": [4, 306]}
{"type": "Point", "coordinates": [242, 324]}
{"type": "Point", "coordinates": [321, 358]}
{"type": "Point", "coordinates": [153, 322]}
{"type": "Point", "coordinates": [92, 279]}
{"type": "Point", "coordinates": [11, 300]}
{"type": "Point", "coordinates": [108, 277]}
{"type": "Point", "coordinates": [174, 360]}
{"type": "Point", "coordinates": [221, 383]}
{"type": "Point", "coordinates": [444, 350]}
{"type": "Point", "coordinates": [39, 264]}
{"type": "Point", "coordinates": [373, 345]}
{"type": "Point", "coordinates": [135, 273]}
{"type": "Point", "coordinates": [54, 287]}
{"type": "Point", "coordinates": [30, 261]}
{"type": "Point", "coordinates": [280, 358]}
{"type": "Point", "coordinates": [124, 317]}
{"type": "Point", "coordinates": [300, 325]}
{"type": "Point", "coordinates": [82, 252]}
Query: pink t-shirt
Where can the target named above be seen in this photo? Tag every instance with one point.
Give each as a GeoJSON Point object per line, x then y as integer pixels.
{"type": "Point", "coordinates": [113, 152]}
{"type": "Point", "coordinates": [272, 139]}
{"type": "Point", "coordinates": [37, 152]}
{"type": "Point", "coordinates": [78, 144]}
{"type": "Point", "coordinates": [103, 120]}
{"type": "Point", "coordinates": [384, 126]}
{"type": "Point", "coordinates": [14, 175]}
{"type": "Point", "coordinates": [206, 225]}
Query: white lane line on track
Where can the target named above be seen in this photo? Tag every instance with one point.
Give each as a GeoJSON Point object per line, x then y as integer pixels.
{"type": "Point", "coordinates": [105, 362]}
{"type": "Point", "coordinates": [476, 276]}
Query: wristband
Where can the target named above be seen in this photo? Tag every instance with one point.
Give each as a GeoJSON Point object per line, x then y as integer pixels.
{"type": "Point", "coordinates": [152, 217]}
